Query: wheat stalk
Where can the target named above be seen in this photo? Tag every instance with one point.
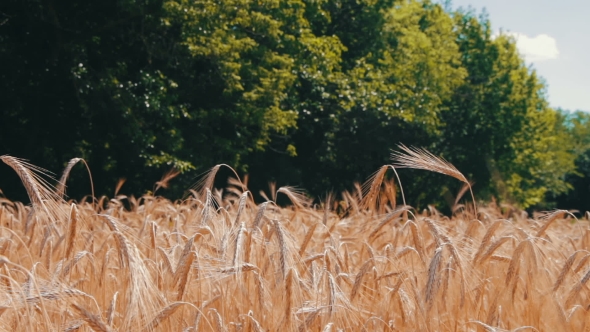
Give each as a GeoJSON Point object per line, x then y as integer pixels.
{"type": "Point", "coordinates": [422, 159]}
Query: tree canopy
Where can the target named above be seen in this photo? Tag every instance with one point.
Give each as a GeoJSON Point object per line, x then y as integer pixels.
{"type": "Point", "coordinates": [314, 94]}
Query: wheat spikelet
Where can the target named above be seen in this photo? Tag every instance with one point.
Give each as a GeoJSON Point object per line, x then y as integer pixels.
{"type": "Point", "coordinates": [199, 312]}
{"type": "Point", "coordinates": [307, 238]}
{"type": "Point", "coordinates": [581, 263]}
{"type": "Point", "coordinates": [218, 320]}
{"type": "Point", "coordinates": [404, 251]}
{"type": "Point", "coordinates": [73, 325]}
{"type": "Point", "coordinates": [166, 177]}
{"type": "Point", "coordinates": [313, 258]}
{"type": "Point", "coordinates": [331, 293]}
{"type": "Point", "coordinates": [371, 188]}
{"type": "Point", "coordinates": [61, 185]}
{"type": "Point", "coordinates": [242, 268]}
{"type": "Point", "coordinates": [257, 326]}
{"type": "Point", "coordinates": [52, 294]}
{"type": "Point", "coordinates": [445, 283]}
{"type": "Point", "coordinates": [551, 217]}
{"type": "Point", "coordinates": [74, 261]}
{"type": "Point", "coordinates": [467, 238]}
{"type": "Point", "coordinates": [433, 282]}
{"type": "Point", "coordinates": [208, 178]}
{"type": "Point", "coordinates": [183, 272]}
{"type": "Point", "coordinates": [296, 196]}
{"type": "Point", "coordinates": [436, 234]}
{"type": "Point", "coordinates": [359, 278]}
{"type": "Point", "coordinates": [260, 291]}
{"type": "Point", "coordinates": [167, 262]}
{"type": "Point", "coordinates": [241, 206]}
{"type": "Point", "coordinates": [514, 262]}
{"type": "Point", "coordinates": [183, 261]}
{"type": "Point", "coordinates": [490, 252]}
{"type": "Point", "coordinates": [163, 315]}
{"type": "Point", "coordinates": [259, 215]}
{"type": "Point", "coordinates": [205, 215]}
{"type": "Point", "coordinates": [49, 254]}
{"type": "Point", "coordinates": [423, 159]}
{"type": "Point", "coordinates": [282, 247]}
{"type": "Point", "coordinates": [289, 281]}
{"type": "Point", "coordinates": [94, 321]}
{"type": "Point", "coordinates": [153, 233]}
{"type": "Point", "coordinates": [238, 245]}
{"type": "Point", "coordinates": [417, 238]}
{"type": "Point", "coordinates": [40, 191]}
{"type": "Point", "coordinates": [499, 258]}
{"type": "Point", "coordinates": [388, 218]}
{"type": "Point", "coordinates": [486, 239]}
{"type": "Point", "coordinates": [566, 267]}
{"type": "Point", "coordinates": [309, 320]}
{"type": "Point", "coordinates": [184, 265]}
{"type": "Point", "coordinates": [577, 288]}
{"type": "Point", "coordinates": [111, 310]}
{"type": "Point", "coordinates": [71, 230]}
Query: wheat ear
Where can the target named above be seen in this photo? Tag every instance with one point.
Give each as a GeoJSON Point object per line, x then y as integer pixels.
{"type": "Point", "coordinates": [566, 267]}
{"type": "Point", "coordinates": [94, 321]}
{"type": "Point", "coordinates": [183, 272]}
{"type": "Point", "coordinates": [371, 188]}
{"type": "Point", "coordinates": [72, 230]}
{"type": "Point", "coordinates": [163, 315]}
{"type": "Point", "coordinates": [241, 206]}
{"type": "Point", "coordinates": [259, 215]}
{"type": "Point", "coordinates": [359, 278]}
{"type": "Point", "coordinates": [282, 247]}
{"type": "Point", "coordinates": [307, 238]}
{"type": "Point", "coordinates": [551, 217]}
{"type": "Point", "coordinates": [238, 245]}
{"type": "Point", "coordinates": [296, 196]}
{"type": "Point", "coordinates": [111, 309]}
{"type": "Point", "coordinates": [40, 191]}
{"type": "Point", "coordinates": [486, 239]}
{"type": "Point", "coordinates": [425, 160]}
{"type": "Point", "coordinates": [61, 185]}
{"type": "Point", "coordinates": [433, 282]}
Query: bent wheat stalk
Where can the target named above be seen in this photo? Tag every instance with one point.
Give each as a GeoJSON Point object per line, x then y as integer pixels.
{"type": "Point", "coordinates": [423, 159]}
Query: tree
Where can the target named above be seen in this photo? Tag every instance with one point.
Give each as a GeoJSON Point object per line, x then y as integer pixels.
{"type": "Point", "coordinates": [575, 132]}
{"type": "Point", "coordinates": [400, 63]}
{"type": "Point", "coordinates": [498, 128]}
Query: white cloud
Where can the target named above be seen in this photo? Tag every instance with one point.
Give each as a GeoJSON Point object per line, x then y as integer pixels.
{"type": "Point", "coordinates": [534, 49]}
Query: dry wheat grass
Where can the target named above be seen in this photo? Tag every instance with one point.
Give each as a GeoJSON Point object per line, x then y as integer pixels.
{"type": "Point", "coordinates": [218, 261]}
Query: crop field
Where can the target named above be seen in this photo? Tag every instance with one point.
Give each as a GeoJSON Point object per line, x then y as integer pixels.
{"type": "Point", "coordinates": [219, 261]}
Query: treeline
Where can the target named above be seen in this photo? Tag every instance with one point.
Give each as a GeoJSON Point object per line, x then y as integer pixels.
{"type": "Point", "coordinates": [314, 94]}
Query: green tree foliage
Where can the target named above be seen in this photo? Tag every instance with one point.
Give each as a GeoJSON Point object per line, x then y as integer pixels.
{"type": "Point", "coordinates": [575, 128]}
{"type": "Point", "coordinates": [308, 93]}
{"type": "Point", "coordinates": [91, 79]}
{"type": "Point", "coordinates": [390, 88]}
{"type": "Point", "coordinates": [498, 127]}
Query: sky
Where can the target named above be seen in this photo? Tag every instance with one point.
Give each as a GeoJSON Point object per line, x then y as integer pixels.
{"type": "Point", "coordinates": [554, 37]}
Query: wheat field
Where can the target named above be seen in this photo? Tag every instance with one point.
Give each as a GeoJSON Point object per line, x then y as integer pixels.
{"type": "Point", "coordinates": [219, 261]}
